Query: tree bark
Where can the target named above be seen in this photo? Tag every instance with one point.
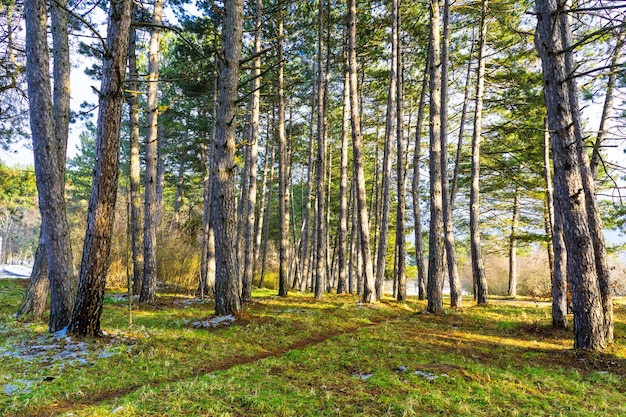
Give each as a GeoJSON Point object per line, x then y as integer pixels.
{"type": "Point", "coordinates": [513, 246]}
{"type": "Point", "coordinates": [151, 218]}
{"type": "Point", "coordinates": [435, 258]}
{"type": "Point", "coordinates": [49, 155]}
{"type": "Point", "coordinates": [342, 233]}
{"type": "Point", "coordinates": [417, 212]}
{"type": "Point", "coordinates": [255, 112]}
{"type": "Point", "coordinates": [283, 172]}
{"type": "Point", "coordinates": [387, 154]}
{"type": "Point", "coordinates": [227, 285]}
{"type": "Point", "coordinates": [478, 267]}
{"type": "Point", "coordinates": [357, 144]}
{"type": "Point", "coordinates": [135, 170]}
{"type": "Point", "coordinates": [448, 226]}
{"type": "Point", "coordinates": [101, 212]}
{"type": "Point", "coordinates": [400, 166]}
{"type": "Point", "coordinates": [552, 42]}
{"type": "Point", "coordinates": [36, 294]}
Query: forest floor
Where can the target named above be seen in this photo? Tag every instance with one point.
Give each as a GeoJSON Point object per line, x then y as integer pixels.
{"type": "Point", "coordinates": [298, 357]}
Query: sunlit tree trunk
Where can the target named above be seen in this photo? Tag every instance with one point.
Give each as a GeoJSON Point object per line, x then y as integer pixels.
{"type": "Point", "coordinates": [148, 287]}
{"type": "Point", "coordinates": [47, 124]}
{"type": "Point", "coordinates": [387, 154]}
{"type": "Point", "coordinates": [400, 271]}
{"type": "Point", "coordinates": [342, 233]}
{"type": "Point", "coordinates": [448, 226]}
{"type": "Point", "coordinates": [435, 258]}
{"type": "Point", "coordinates": [135, 170]}
{"type": "Point", "coordinates": [513, 246]}
{"type": "Point", "coordinates": [417, 212]}
{"type": "Point", "coordinates": [369, 294]}
{"type": "Point", "coordinates": [101, 212]}
{"type": "Point", "coordinates": [553, 39]}
{"type": "Point", "coordinates": [36, 294]}
{"type": "Point", "coordinates": [478, 267]}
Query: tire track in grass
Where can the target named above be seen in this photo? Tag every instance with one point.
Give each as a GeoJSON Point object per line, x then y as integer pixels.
{"type": "Point", "coordinates": [64, 406]}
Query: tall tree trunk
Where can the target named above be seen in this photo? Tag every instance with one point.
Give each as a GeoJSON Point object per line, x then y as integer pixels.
{"type": "Point", "coordinates": [178, 201]}
{"type": "Point", "coordinates": [552, 40]}
{"type": "Point", "coordinates": [283, 170]}
{"type": "Point", "coordinates": [267, 167]}
{"type": "Point", "coordinates": [357, 144]}
{"type": "Point", "coordinates": [342, 233]}
{"type": "Point", "coordinates": [556, 245]}
{"type": "Point", "coordinates": [227, 285]}
{"type": "Point", "coordinates": [513, 246]}
{"type": "Point", "coordinates": [320, 230]}
{"type": "Point", "coordinates": [417, 212]}
{"type": "Point", "coordinates": [49, 166]}
{"type": "Point", "coordinates": [148, 287]}
{"type": "Point", "coordinates": [266, 225]}
{"type": "Point", "coordinates": [435, 248]}
{"type": "Point", "coordinates": [95, 262]}
{"type": "Point", "coordinates": [255, 113]}
{"type": "Point", "coordinates": [478, 267]}
{"type": "Point", "coordinates": [134, 164]}
{"type": "Point", "coordinates": [387, 154]}
{"type": "Point", "coordinates": [448, 226]}
{"type": "Point", "coordinates": [400, 166]}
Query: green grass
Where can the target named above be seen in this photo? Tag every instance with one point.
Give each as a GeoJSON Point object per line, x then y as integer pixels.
{"type": "Point", "coordinates": [294, 356]}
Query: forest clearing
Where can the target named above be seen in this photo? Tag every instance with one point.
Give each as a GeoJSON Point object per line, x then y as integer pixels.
{"type": "Point", "coordinates": [300, 357]}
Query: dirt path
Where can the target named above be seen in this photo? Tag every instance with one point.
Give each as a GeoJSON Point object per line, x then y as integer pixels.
{"type": "Point", "coordinates": [63, 406]}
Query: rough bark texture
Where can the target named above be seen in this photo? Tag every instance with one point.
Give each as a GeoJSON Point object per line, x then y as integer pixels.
{"type": "Point", "coordinates": [135, 170]}
{"type": "Point", "coordinates": [448, 226]}
{"type": "Point", "coordinates": [320, 174]}
{"type": "Point", "coordinates": [513, 246]}
{"type": "Point", "coordinates": [390, 123]}
{"type": "Point", "coordinates": [478, 267]}
{"type": "Point", "coordinates": [255, 112]}
{"type": "Point", "coordinates": [36, 294]}
{"type": "Point", "coordinates": [435, 258]}
{"type": "Point", "coordinates": [400, 271]}
{"type": "Point", "coordinates": [342, 233]}
{"type": "Point", "coordinates": [569, 193]}
{"type": "Point", "coordinates": [283, 174]}
{"type": "Point", "coordinates": [227, 286]}
{"type": "Point", "coordinates": [357, 144]}
{"type": "Point", "coordinates": [101, 211]}
{"type": "Point", "coordinates": [151, 212]}
{"type": "Point", "coordinates": [49, 156]}
{"type": "Point", "coordinates": [417, 212]}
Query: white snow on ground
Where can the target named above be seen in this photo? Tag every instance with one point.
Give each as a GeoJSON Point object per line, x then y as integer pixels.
{"type": "Point", "coordinates": [213, 322]}
{"type": "Point", "coordinates": [15, 271]}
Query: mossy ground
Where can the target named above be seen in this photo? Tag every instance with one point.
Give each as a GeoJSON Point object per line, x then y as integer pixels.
{"type": "Point", "coordinates": [295, 356]}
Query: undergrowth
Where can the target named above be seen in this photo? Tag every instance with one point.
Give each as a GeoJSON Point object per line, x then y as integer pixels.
{"type": "Point", "coordinates": [298, 357]}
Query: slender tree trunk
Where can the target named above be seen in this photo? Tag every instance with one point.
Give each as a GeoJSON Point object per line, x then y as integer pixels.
{"type": "Point", "coordinates": [227, 285]}
{"type": "Point", "coordinates": [387, 154]}
{"type": "Point", "coordinates": [255, 102]}
{"type": "Point", "coordinates": [417, 212]}
{"type": "Point", "coordinates": [49, 166]}
{"type": "Point", "coordinates": [552, 40]}
{"type": "Point", "coordinates": [513, 246]}
{"type": "Point", "coordinates": [369, 294]}
{"type": "Point", "coordinates": [267, 221]}
{"type": "Point", "coordinates": [267, 167]}
{"type": "Point", "coordinates": [178, 201]}
{"type": "Point", "coordinates": [283, 170]}
{"type": "Point", "coordinates": [342, 233]}
{"type": "Point", "coordinates": [435, 258]}
{"type": "Point", "coordinates": [448, 226]}
{"type": "Point", "coordinates": [400, 170]}
{"type": "Point", "coordinates": [557, 253]}
{"type": "Point", "coordinates": [135, 170]}
{"type": "Point", "coordinates": [95, 262]}
{"type": "Point", "coordinates": [320, 230]}
{"type": "Point", "coordinates": [148, 288]}
{"type": "Point", "coordinates": [478, 267]}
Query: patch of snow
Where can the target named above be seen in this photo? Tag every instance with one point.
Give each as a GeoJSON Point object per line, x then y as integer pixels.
{"type": "Point", "coordinates": [61, 333]}
{"type": "Point", "coordinates": [400, 368]}
{"type": "Point", "coordinates": [214, 322]}
{"type": "Point", "coordinates": [20, 386]}
{"type": "Point", "coordinates": [429, 375]}
{"type": "Point", "coordinates": [362, 376]}
{"type": "Point", "coordinates": [15, 271]}
{"type": "Point", "coordinates": [117, 409]}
